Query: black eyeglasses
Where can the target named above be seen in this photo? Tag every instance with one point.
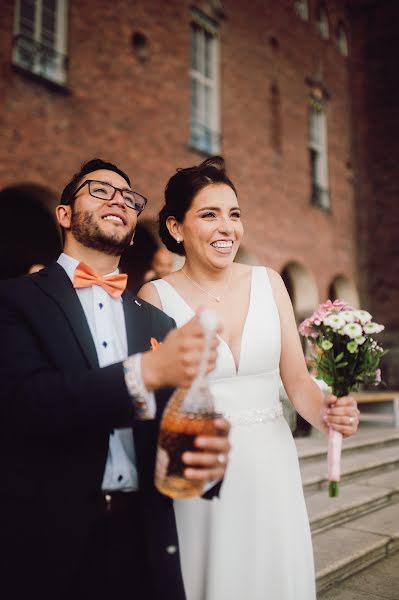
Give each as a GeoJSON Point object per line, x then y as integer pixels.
{"type": "Point", "coordinates": [106, 191]}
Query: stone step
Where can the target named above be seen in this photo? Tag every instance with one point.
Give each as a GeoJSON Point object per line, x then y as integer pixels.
{"type": "Point", "coordinates": [354, 466]}
{"type": "Point", "coordinates": [355, 499]}
{"type": "Point", "coordinates": [315, 448]}
{"type": "Point", "coordinates": [378, 582]}
{"type": "Point", "coordinates": [346, 549]}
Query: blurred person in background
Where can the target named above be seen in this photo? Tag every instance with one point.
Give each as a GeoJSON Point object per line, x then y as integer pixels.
{"type": "Point", "coordinates": [161, 264]}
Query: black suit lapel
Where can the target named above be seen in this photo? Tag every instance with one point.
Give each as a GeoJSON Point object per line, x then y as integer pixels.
{"type": "Point", "coordinates": [55, 283]}
{"type": "Point", "coordinates": [137, 324]}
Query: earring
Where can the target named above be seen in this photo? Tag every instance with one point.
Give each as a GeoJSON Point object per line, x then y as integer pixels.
{"type": "Point", "coordinates": [178, 240]}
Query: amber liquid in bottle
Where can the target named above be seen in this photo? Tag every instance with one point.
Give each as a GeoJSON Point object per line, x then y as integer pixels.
{"type": "Point", "coordinates": [189, 413]}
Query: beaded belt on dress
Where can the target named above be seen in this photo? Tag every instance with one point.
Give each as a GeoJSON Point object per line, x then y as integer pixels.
{"type": "Point", "coordinates": [253, 416]}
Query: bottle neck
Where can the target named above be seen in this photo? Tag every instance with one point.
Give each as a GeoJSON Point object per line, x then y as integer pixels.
{"type": "Point", "coordinates": [199, 397]}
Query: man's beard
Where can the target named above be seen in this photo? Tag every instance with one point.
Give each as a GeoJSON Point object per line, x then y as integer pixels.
{"type": "Point", "coordinates": [86, 231]}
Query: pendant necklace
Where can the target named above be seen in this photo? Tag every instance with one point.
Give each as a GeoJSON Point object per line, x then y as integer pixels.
{"type": "Point", "coordinates": [216, 298]}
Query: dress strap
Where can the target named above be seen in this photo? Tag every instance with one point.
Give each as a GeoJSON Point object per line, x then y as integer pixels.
{"type": "Point", "coordinates": [261, 286]}
{"type": "Point", "coordinates": [172, 303]}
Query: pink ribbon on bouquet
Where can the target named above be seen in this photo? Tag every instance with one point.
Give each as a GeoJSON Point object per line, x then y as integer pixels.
{"type": "Point", "coordinates": [334, 461]}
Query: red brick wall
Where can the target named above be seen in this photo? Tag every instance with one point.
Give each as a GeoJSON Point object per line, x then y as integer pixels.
{"type": "Point", "coordinates": [137, 116]}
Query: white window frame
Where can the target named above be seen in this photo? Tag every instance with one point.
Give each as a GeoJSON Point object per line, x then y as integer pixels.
{"type": "Point", "coordinates": [322, 24]}
{"type": "Point", "coordinates": [55, 70]}
{"type": "Point", "coordinates": [301, 9]}
{"type": "Point", "coordinates": [318, 152]}
{"type": "Point", "coordinates": [205, 124]}
{"type": "Point", "coordinates": [342, 40]}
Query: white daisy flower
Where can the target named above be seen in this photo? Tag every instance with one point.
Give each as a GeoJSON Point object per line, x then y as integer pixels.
{"type": "Point", "coordinates": [348, 315]}
{"type": "Point", "coordinates": [353, 330]}
{"type": "Point", "coordinates": [334, 321]}
{"type": "Point", "coordinates": [363, 316]}
{"type": "Point", "coordinates": [372, 328]}
{"type": "Point", "coordinates": [360, 340]}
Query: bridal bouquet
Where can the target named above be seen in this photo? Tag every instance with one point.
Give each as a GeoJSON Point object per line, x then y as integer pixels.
{"type": "Point", "coordinates": [344, 355]}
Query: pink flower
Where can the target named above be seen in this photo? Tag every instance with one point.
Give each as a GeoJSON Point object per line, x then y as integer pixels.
{"type": "Point", "coordinates": [308, 327]}
{"type": "Point", "coordinates": [305, 328]}
{"type": "Point", "coordinates": [377, 379]}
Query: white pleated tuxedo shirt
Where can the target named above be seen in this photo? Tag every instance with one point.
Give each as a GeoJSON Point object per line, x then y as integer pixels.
{"type": "Point", "coordinates": [106, 320]}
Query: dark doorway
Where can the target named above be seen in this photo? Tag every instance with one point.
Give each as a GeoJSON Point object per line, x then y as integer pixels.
{"type": "Point", "coordinates": [28, 232]}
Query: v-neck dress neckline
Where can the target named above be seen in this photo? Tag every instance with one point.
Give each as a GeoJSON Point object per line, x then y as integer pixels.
{"type": "Point", "coordinates": [236, 367]}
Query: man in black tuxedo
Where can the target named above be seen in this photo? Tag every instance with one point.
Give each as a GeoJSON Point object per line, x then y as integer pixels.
{"type": "Point", "coordinates": [81, 400]}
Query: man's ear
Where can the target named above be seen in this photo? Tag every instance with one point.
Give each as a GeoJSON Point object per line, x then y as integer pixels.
{"type": "Point", "coordinates": [63, 214]}
{"type": "Point", "coordinates": [174, 228]}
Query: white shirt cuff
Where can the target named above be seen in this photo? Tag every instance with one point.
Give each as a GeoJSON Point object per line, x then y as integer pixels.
{"type": "Point", "coordinates": [143, 400]}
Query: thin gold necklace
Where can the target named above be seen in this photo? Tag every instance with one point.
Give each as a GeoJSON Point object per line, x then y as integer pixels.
{"type": "Point", "coordinates": [216, 298]}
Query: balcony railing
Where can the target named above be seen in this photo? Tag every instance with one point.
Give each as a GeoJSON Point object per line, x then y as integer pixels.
{"type": "Point", "coordinates": [39, 59]}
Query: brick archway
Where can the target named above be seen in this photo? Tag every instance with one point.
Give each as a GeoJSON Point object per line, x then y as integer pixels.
{"type": "Point", "coordinates": [302, 289]}
{"type": "Point", "coordinates": [345, 289]}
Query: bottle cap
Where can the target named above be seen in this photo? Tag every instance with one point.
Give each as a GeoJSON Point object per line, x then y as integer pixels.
{"type": "Point", "coordinates": [209, 320]}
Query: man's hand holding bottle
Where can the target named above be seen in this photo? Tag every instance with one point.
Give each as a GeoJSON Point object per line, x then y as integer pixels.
{"type": "Point", "coordinates": [176, 363]}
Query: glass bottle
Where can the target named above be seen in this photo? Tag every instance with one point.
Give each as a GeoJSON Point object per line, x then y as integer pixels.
{"type": "Point", "coordinates": [189, 413]}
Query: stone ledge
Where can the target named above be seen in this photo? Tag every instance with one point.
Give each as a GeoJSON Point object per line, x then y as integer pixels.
{"type": "Point", "coordinates": [345, 550]}
{"type": "Point", "coordinates": [356, 501]}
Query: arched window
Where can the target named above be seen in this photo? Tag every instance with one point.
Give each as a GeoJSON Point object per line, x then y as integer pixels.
{"type": "Point", "coordinates": [342, 40]}
{"type": "Point", "coordinates": [275, 118]}
{"type": "Point", "coordinates": [301, 9]}
{"type": "Point", "coordinates": [322, 22]}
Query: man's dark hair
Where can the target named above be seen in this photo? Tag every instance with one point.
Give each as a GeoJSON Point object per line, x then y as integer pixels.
{"type": "Point", "coordinates": [67, 196]}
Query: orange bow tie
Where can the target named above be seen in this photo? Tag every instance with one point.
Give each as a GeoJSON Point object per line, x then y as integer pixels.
{"type": "Point", "coordinates": [85, 276]}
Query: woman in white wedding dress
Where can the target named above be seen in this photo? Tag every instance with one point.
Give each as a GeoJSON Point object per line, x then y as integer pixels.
{"type": "Point", "coordinates": [253, 542]}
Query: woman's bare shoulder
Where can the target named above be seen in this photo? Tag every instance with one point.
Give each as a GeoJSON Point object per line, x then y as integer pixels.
{"type": "Point", "coordinates": [273, 275]}
{"type": "Point", "coordinates": [242, 270]}
{"type": "Point", "coordinates": [149, 293]}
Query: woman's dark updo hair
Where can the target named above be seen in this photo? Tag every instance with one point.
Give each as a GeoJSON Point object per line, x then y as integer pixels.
{"type": "Point", "coordinates": [181, 190]}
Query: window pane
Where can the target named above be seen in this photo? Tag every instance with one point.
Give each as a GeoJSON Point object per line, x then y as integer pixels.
{"type": "Point", "coordinates": [207, 106]}
{"type": "Point", "coordinates": [201, 51]}
{"type": "Point", "coordinates": [203, 98]}
{"type": "Point", "coordinates": [322, 23]}
{"type": "Point", "coordinates": [48, 32]}
{"type": "Point", "coordinates": [301, 9]}
{"type": "Point", "coordinates": [342, 41]}
{"type": "Point", "coordinates": [27, 17]}
{"type": "Point", "coordinates": [208, 55]}
{"type": "Point", "coordinates": [194, 46]}
{"type": "Point", "coordinates": [194, 100]}
{"type": "Point", "coordinates": [37, 46]}
{"type": "Point", "coordinates": [313, 134]}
